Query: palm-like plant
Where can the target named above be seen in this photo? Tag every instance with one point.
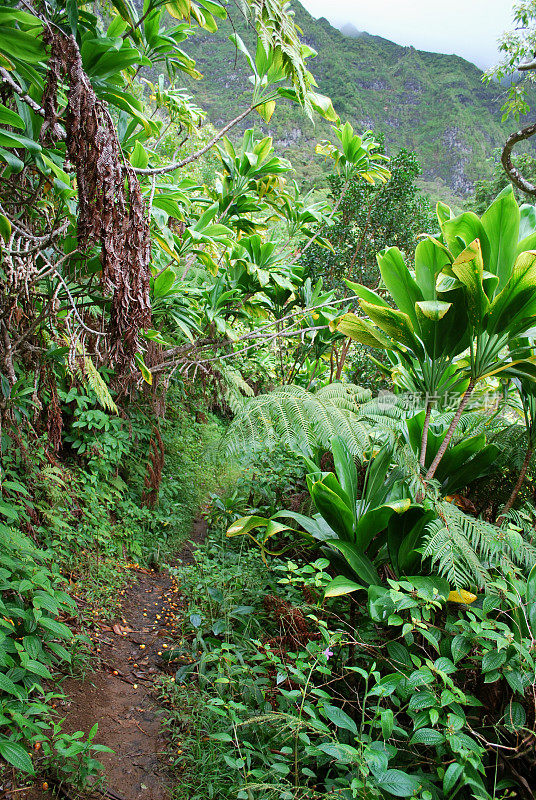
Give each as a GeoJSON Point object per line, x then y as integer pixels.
{"type": "Point", "coordinates": [473, 290]}
{"type": "Point", "coordinates": [359, 526]}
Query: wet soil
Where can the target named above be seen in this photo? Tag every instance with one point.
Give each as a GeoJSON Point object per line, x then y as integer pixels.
{"type": "Point", "coordinates": [120, 695]}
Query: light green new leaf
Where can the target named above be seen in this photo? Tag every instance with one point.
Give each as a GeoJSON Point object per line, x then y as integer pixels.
{"type": "Point", "coordinates": [340, 586]}
{"type": "Point", "coordinates": [469, 269]}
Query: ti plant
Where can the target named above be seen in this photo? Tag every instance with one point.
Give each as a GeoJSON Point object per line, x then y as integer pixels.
{"type": "Point", "coordinates": [381, 524]}
{"type": "Point", "coordinates": [468, 300]}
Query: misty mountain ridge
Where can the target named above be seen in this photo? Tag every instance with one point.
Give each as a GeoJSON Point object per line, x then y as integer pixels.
{"type": "Point", "coordinates": [432, 103]}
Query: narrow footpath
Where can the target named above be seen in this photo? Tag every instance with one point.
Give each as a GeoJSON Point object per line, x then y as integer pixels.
{"type": "Point", "coordinates": [120, 695]}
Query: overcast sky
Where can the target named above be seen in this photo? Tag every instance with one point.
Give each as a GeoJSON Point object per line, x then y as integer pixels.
{"type": "Point", "coordinates": [469, 28]}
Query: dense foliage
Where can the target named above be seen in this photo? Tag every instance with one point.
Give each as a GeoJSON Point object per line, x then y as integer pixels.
{"type": "Point", "coordinates": [181, 326]}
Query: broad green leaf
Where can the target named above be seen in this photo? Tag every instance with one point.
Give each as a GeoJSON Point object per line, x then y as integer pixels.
{"type": "Point", "coordinates": [139, 156]}
{"type": "Point", "coordinates": [15, 754]}
{"type": "Point", "coordinates": [387, 722]}
{"type": "Point", "coordinates": [427, 736]}
{"type": "Point", "coordinates": [501, 223]}
{"type": "Point", "coordinates": [398, 280]}
{"type": "Point", "coordinates": [317, 527]}
{"type": "Point", "coordinates": [461, 231]}
{"type": "Point", "coordinates": [22, 46]}
{"type": "Point", "coordinates": [333, 509]}
{"type": "Point", "coordinates": [345, 468]}
{"type": "Point", "coordinates": [364, 293]}
{"type": "Point", "coordinates": [360, 330]}
{"type": "Point", "coordinates": [394, 323]}
{"type": "Point", "coordinates": [527, 220]}
{"type": "Point", "coordinates": [430, 258]}
{"type": "Point", "coordinates": [340, 718]}
{"type": "Point", "coordinates": [55, 627]}
{"type": "Point", "coordinates": [246, 524]}
{"type": "Point", "coordinates": [515, 307]}
{"type": "Point", "coordinates": [399, 783]}
{"type": "Point", "coordinates": [340, 586]}
{"type": "Point", "coordinates": [531, 586]}
{"type": "Point", "coordinates": [10, 139]}
{"type": "Point", "coordinates": [145, 371]}
{"type": "Point", "coordinates": [164, 282]}
{"type": "Point", "coordinates": [433, 309]}
{"type": "Point", "coordinates": [9, 117]}
{"type": "Point", "coordinates": [7, 685]}
{"type": "Point", "coordinates": [515, 715]}
{"type": "Point", "coordinates": [451, 777]}
{"type": "Point", "coordinates": [343, 753]}
{"type": "Point", "coordinates": [357, 561]}
{"type": "Point", "coordinates": [5, 228]}
{"type": "Point", "coordinates": [266, 110]}
{"type": "Point", "coordinates": [468, 268]}
{"type": "Point", "coordinates": [323, 106]}
{"type": "Point", "coordinates": [443, 212]}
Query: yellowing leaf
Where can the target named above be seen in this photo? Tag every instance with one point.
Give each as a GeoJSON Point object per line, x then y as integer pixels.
{"type": "Point", "coordinates": [461, 596]}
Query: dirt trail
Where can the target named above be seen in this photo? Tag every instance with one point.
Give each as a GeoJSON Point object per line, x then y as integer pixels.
{"type": "Point", "coordinates": [119, 695]}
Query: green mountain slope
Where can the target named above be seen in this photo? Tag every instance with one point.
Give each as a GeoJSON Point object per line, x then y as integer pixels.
{"type": "Point", "coordinates": [428, 102]}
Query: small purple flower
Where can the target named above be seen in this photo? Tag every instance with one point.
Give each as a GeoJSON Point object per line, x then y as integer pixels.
{"type": "Point", "coordinates": [328, 653]}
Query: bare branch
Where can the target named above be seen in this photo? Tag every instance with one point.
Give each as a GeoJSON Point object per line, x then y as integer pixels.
{"type": "Point", "coordinates": [198, 153]}
{"type": "Point", "coordinates": [506, 158]}
{"type": "Point", "coordinates": [36, 108]}
{"type": "Point", "coordinates": [527, 65]}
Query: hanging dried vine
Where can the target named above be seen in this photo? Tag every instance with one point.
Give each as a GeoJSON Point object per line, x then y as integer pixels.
{"type": "Point", "coordinates": [111, 209]}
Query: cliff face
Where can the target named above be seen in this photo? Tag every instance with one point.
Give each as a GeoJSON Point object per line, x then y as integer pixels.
{"type": "Point", "coordinates": [432, 103]}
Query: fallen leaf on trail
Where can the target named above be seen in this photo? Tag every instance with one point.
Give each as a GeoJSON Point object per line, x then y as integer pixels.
{"type": "Point", "coordinates": [121, 630]}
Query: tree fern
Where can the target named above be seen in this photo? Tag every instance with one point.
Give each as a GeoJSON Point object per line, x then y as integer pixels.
{"type": "Point", "coordinates": [464, 549]}
{"type": "Point", "coordinates": [235, 389]}
{"type": "Point", "coordinates": [302, 420]}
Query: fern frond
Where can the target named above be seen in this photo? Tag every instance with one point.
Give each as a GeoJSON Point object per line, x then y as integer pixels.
{"type": "Point", "coordinates": [96, 383]}
{"type": "Point", "coordinates": [301, 420]}
{"type": "Point", "coordinates": [464, 549]}
{"type": "Point", "coordinates": [235, 389]}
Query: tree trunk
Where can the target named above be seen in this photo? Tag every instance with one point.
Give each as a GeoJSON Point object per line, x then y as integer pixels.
{"type": "Point", "coordinates": [424, 440]}
{"type": "Point", "coordinates": [517, 487]}
{"type": "Point", "coordinates": [448, 436]}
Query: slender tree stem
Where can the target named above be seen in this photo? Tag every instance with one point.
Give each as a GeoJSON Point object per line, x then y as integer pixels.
{"type": "Point", "coordinates": [424, 440]}
{"type": "Point", "coordinates": [519, 483]}
{"type": "Point", "coordinates": [446, 441]}
{"type": "Point", "coordinates": [342, 360]}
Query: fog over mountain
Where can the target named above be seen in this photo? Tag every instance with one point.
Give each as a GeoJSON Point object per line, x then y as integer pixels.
{"type": "Point", "coordinates": [468, 29]}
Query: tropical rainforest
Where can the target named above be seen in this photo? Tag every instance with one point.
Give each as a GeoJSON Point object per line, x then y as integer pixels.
{"type": "Point", "coordinates": [267, 426]}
